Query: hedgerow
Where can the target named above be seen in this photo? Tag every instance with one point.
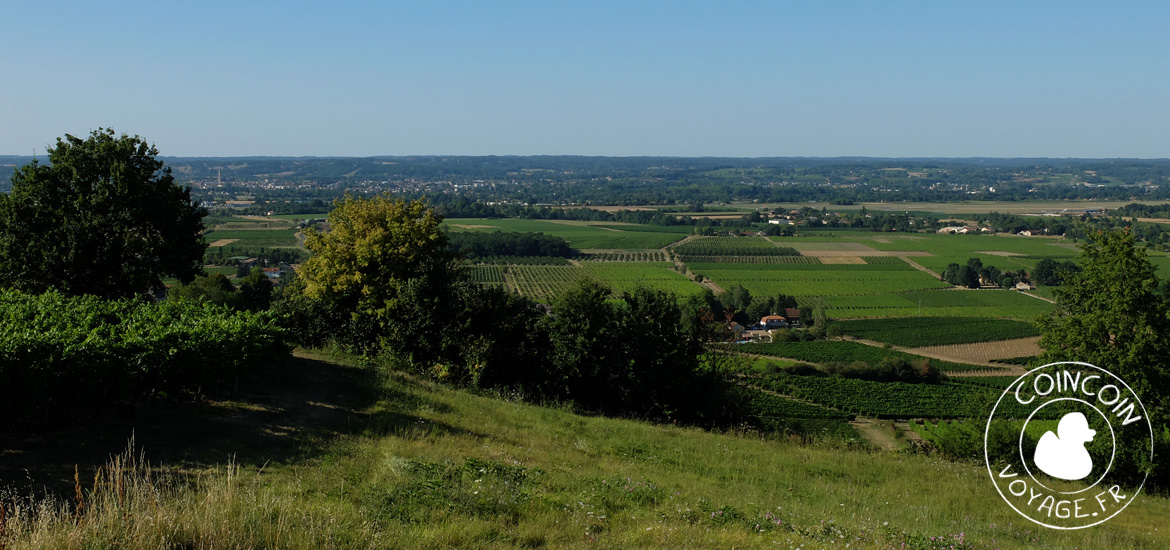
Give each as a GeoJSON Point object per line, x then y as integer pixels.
{"type": "Point", "coordinates": [61, 356]}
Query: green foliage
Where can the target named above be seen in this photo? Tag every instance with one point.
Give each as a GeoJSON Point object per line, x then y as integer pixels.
{"type": "Point", "coordinates": [104, 218]}
{"type": "Point", "coordinates": [253, 294]}
{"type": "Point", "coordinates": [384, 261]}
{"type": "Point", "coordinates": [1111, 315]}
{"type": "Point", "coordinates": [937, 331]}
{"type": "Point", "coordinates": [256, 290]}
{"type": "Point", "coordinates": [1049, 272]}
{"type": "Point", "coordinates": [763, 306]}
{"type": "Point", "coordinates": [62, 356]}
{"type": "Point", "coordinates": [634, 355]}
{"type": "Point", "coordinates": [214, 288]}
{"type": "Point", "coordinates": [481, 244]}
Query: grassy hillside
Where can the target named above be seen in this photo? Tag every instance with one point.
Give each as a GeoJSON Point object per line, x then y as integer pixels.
{"type": "Point", "coordinates": [414, 465]}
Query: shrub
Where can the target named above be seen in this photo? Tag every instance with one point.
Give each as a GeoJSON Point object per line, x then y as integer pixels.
{"type": "Point", "coordinates": [62, 355]}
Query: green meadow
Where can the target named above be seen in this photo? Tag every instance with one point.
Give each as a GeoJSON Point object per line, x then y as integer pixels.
{"type": "Point", "coordinates": [388, 461]}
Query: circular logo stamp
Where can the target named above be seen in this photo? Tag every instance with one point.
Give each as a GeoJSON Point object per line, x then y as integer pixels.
{"type": "Point", "coordinates": [1066, 445]}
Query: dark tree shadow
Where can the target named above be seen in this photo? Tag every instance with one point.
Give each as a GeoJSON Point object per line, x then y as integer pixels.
{"type": "Point", "coordinates": [282, 413]}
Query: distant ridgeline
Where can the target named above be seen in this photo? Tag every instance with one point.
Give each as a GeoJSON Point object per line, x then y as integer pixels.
{"type": "Point", "coordinates": [670, 180]}
{"type": "Point", "coordinates": [667, 180]}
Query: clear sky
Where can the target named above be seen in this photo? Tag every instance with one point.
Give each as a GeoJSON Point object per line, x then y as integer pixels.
{"type": "Point", "coordinates": [1019, 78]}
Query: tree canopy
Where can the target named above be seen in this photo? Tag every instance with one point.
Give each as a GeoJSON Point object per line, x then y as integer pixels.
{"type": "Point", "coordinates": [381, 274]}
{"type": "Point", "coordinates": [1111, 314]}
{"type": "Point", "coordinates": [105, 217]}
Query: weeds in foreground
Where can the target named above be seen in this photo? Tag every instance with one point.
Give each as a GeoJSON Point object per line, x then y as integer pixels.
{"type": "Point", "coordinates": [131, 504]}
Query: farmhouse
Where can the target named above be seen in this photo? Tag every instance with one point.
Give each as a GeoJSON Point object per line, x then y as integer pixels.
{"type": "Point", "coordinates": [792, 314]}
{"type": "Point", "coordinates": [774, 321]}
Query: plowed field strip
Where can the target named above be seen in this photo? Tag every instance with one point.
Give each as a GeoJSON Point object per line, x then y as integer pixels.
{"type": "Point", "coordinates": [984, 351]}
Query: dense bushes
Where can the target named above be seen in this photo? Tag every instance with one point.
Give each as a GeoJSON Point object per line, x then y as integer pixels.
{"type": "Point", "coordinates": [631, 355]}
{"type": "Point", "coordinates": [60, 356]}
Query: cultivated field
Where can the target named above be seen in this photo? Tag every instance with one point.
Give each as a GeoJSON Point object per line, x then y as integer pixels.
{"type": "Point", "coordinates": [985, 351]}
{"type": "Point", "coordinates": [580, 235]}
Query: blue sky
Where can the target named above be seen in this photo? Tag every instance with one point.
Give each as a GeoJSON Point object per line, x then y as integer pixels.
{"type": "Point", "coordinates": [811, 78]}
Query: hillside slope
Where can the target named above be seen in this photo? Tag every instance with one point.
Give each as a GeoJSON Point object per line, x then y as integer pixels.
{"type": "Point", "coordinates": [430, 467]}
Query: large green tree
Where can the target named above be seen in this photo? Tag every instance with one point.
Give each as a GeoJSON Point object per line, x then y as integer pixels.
{"type": "Point", "coordinates": [104, 217]}
{"type": "Point", "coordinates": [382, 275]}
{"type": "Point", "coordinates": [1111, 314]}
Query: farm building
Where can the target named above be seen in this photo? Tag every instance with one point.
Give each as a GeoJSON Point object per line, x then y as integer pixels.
{"type": "Point", "coordinates": [792, 314]}
{"type": "Point", "coordinates": [758, 336]}
{"type": "Point", "coordinates": [774, 321]}
{"type": "Point", "coordinates": [958, 229]}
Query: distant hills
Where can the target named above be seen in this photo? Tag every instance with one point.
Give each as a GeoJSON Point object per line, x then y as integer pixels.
{"type": "Point", "coordinates": [843, 171]}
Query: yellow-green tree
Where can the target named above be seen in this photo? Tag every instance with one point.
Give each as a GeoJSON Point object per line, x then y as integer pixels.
{"type": "Point", "coordinates": [379, 261]}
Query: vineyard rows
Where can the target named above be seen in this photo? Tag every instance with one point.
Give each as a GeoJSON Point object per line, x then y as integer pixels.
{"type": "Point", "coordinates": [821, 283]}
{"type": "Point", "coordinates": [632, 240]}
{"type": "Point", "coordinates": [626, 277]}
{"type": "Point", "coordinates": [544, 283]}
{"type": "Point", "coordinates": [523, 260]}
{"type": "Point", "coordinates": [780, 414]}
{"type": "Point", "coordinates": [801, 266]}
{"type": "Point", "coordinates": [682, 230]}
{"type": "Point", "coordinates": [916, 332]}
{"type": "Point", "coordinates": [887, 399]}
{"type": "Point", "coordinates": [836, 351]}
{"type": "Point", "coordinates": [733, 246]}
{"type": "Point", "coordinates": [762, 261]}
{"type": "Point", "coordinates": [490, 274]}
{"type": "Point", "coordinates": [651, 256]}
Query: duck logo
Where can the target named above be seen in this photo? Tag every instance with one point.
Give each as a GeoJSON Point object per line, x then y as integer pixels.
{"type": "Point", "coordinates": [1064, 456]}
{"type": "Point", "coordinates": [1052, 444]}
